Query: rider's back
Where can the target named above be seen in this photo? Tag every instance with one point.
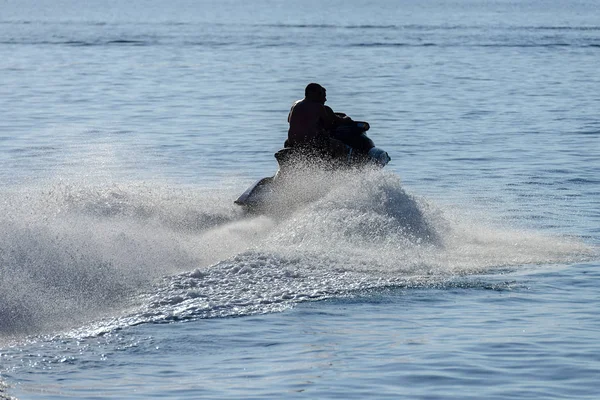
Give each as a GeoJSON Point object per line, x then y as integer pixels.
{"type": "Point", "coordinates": [307, 122]}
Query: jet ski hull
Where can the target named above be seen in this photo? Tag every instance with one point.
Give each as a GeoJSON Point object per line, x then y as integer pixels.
{"type": "Point", "coordinates": [256, 195]}
{"type": "Point", "coordinates": [361, 152]}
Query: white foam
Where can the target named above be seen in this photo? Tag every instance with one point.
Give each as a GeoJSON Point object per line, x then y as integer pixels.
{"type": "Point", "coordinates": [71, 252]}
{"type": "Point", "coordinates": [132, 253]}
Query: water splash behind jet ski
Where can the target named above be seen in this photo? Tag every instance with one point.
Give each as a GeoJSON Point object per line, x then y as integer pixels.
{"type": "Point", "coordinates": [360, 151]}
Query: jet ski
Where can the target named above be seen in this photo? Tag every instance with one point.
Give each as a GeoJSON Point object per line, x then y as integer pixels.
{"type": "Point", "coordinates": [360, 151]}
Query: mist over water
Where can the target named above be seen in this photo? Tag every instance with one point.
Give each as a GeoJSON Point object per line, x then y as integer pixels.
{"type": "Point", "coordinates": [71, 251]}
{"type": "Point", "coordinates": [108, 256]}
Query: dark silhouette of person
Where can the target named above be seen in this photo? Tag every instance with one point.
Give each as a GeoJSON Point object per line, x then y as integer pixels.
{"type": "Point", "coordinates": [311, 123]}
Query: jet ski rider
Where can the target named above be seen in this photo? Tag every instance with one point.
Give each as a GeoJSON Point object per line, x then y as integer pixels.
{"type": "Point", "coordinates": [311, 122]}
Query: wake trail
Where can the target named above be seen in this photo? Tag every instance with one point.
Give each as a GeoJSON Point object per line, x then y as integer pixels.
{"type": "Point", "coordinates": [103, 257]}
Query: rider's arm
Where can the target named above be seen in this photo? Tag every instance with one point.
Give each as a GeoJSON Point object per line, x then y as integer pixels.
{"type": "Point", "coordinates": [330, 119]}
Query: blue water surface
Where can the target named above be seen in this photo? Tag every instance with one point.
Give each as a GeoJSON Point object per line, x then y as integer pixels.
{"type": "Point", "coordinates": [466, 269]}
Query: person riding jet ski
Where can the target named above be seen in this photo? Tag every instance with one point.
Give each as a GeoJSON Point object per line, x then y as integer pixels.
{"type": "Point", "coordinates": [317, 137]}
{"type": "Point", "coordinates": [319, 134]}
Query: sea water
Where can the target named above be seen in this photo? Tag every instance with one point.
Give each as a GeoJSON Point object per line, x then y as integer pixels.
{"type": "Point", "coordinates": [467, 268]}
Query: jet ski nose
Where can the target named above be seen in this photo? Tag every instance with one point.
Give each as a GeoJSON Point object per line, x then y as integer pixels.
{"type": "Point", "coordinates": [379, 156]}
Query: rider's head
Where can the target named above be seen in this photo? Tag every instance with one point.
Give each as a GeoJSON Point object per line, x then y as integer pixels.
{"type": "Point", "coordinates": [315, 92]}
